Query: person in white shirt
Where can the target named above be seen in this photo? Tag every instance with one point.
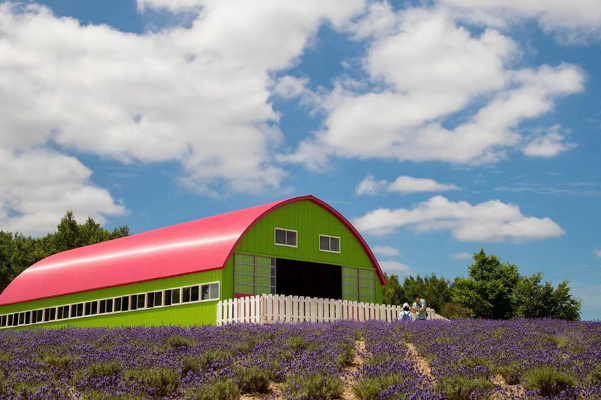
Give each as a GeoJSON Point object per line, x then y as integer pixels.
{"type": "Point", "coordinates": [405, 315]}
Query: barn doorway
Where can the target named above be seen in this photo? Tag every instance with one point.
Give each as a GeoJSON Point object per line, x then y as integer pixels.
{"type": "Point", "coordinates": [302, 278]}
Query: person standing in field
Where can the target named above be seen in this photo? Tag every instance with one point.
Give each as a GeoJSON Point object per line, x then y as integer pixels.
{"type": "Point", "coordinates": [405, 315]}
{"type": "Point", "coordinates": [419, 308]}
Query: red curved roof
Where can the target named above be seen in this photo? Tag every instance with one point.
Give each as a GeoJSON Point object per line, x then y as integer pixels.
{"type": "Point", "coordinates": [197, 246]}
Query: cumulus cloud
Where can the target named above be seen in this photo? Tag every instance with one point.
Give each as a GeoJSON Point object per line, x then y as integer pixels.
{"type": "Point", "coordinates": [492, 221]}
{"type": "Point", "coordinates": [574, 20]}
{"type": "Point", "coordinates": [597, 252]}
{"type": "Point", "coordinates": [402, 184]}
{"type": "Point", "coordinates": [38, 186]}
{"type": "Point", "coordinates": [395, 267]}
{"type": "Point", "coordinates": [427, 68]}
{"type": "Point", "coordinates": [370, 186]}
{"type": "Point", "coordinates": [548, 144]}
{"type": "Point", "coordinates": [197, 95]}
{"type": "Point", "coordinates": [385, 251]}
{"type": "Point", "coordinates": [461, 255]}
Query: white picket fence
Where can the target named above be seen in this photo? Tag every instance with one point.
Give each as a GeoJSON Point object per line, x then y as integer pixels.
{"type": "Point", "coordinates": [269, 309]}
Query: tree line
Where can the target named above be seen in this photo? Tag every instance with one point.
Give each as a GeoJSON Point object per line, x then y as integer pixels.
{"type": "Point", "coordinates": [18, 251]}
{"type": "Point", "coordinates": [492, 290]}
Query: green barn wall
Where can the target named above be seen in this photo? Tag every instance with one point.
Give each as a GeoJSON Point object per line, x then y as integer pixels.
{"type": "Point", "coordinates": [201, 313]}
{"type": "Point", "coordinates": [310, 220]}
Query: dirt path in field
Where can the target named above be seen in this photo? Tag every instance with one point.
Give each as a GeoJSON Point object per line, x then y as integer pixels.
{"type": "Point", "coordinates": [274, 391]}
{"type": "Point", "coordinates": [422, 365]}
{"type": "Point", "coordinates": [351, 373]}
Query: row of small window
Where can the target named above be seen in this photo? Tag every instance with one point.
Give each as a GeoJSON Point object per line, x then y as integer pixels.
{"type": "Point", "coordinates": [169, 297]}
{"type": "Point", "coordinates": [287, 237]}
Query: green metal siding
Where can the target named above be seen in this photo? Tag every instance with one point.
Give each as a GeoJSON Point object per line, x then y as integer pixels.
{"type": "Point", "coordinates": [187, 314]}
{"type": "Point", "coordinates": [309, 220]}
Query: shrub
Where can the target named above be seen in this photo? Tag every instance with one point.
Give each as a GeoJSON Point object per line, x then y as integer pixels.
{"type": "Point", "coordinates": [548, 381]}
{"type": "Point", "coordinates": [452, 310]}
{"type": "Point", "coordinates": [460, 388]}
{"type": "Point", "coordinates": [99, 370]}
{"type": "Point", "coordinates": [196, 364]}
{"type": "Point", "coordinates": [594, 377]}
{"type": "Point", "coordinates": [60, 365]}
{"type": "Point", "coordinates": [370, 388]}
{"type": "Point", "coordinates": [347, 358]}
{"type": "Point", "coordinates": [221, 390]}
{"type": "Point", "coordinates": [179, 342]}
{"type": "Point", "coordinates": [315, 387]}
{"type": "Point", "coordinates": [296, 342]}
{"type": "Point", "coordinates": [252, 380]}
{"type": "Point", "coordinates": [160, 381]}
{"type": "Point", "coordinates": [510, 372]}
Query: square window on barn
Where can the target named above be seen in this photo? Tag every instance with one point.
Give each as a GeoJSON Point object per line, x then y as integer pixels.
{"type": "Point", "coordinates": [329, 243]}
{"type": "Point", "coordinates": [3, 321]}
{"type": "Point", "coordinates": [40, 317]}
{"type": "Point", "coordinates": [28, 317]}
{"type": "Point", "coordinates": [88, 308]}
{"type": "Point", "coordinates": [194, 295]}
{"type": "Point", "coordinates": [102, 306]}
{"type": "Point", "coordinates": [59, 314]}
{"type": "Point", "coordinates": [133, 302]}
{"type": "Point", "coordinates": [125, 303]}
{"type": "Point", "coordinates": [15, 319]}
{"type": "Point", "coordinates": [141, 301]}
{"type": "Point", "coordinates": [52, 314]}
{"type": "Point", "coordinates": [10, 320]}
{"type": "Point", "coordinates": [168, 297]}
{"type": "Point", "coordinates": [175, 296]}
{"type": "Point", "coordinates": [158, 299]}
{"type": "Point", "coordinates": [21, 318]}
{"type": "Point", "coordinates": [186, 295]}
{"type": "Point", "coordinates": [150, 300]}
{"type": "Point", "coordinates": [286, 237]}
{"type": "Point", "coordinates": [117, 304]}
{"type": "Point", "coordinates": [214, 292]}
{"type": "Point", "coordinates": [109, 305]}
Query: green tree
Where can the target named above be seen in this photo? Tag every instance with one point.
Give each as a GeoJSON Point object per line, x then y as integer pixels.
{"type": "Point", "coordinates": [392, 293]}
{"type": "Point", "coordinates": [488, 291]}
{"type": "Point", "coordinates": [537, 300]}
{"type": "Point", "coordinates": [17, 251]}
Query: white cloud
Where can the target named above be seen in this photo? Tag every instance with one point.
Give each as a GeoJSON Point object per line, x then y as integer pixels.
{"type": "Point", "coordinates": [395, 267]}
{"type": "Point", "coordinates": [427, 69]}
{"type": "Point", "coordinates": [548, 144]}
{"type": "Point", "coordinates": [38, 186]}
{"type": "Point", "coordinates": [407, 184]}
{"type": "Point", "coordinates": [572, 20]}
{"type": "Point", "coordinates": [289, 87]}
{"type": "Point", "coordinates": [402, 184]}
{"type": "Point", "coordinates": [385, 251]}
{"type": "Point", "coordinates": [489, 221]}
{"type": "Point", "coordinates": [370, 186]}
{"type": "Point", "coordinates": [597, 252]}
{"type": "Point", "coordinates": [198, 96]}
{"type": "Point", "coordinates": [461, 255]}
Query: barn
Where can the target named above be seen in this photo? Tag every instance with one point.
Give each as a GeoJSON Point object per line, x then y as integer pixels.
{"type": "Point", "coordinates": [176, 275]}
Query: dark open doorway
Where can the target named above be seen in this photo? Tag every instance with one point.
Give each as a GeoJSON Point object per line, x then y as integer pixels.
{"type": "Point", "coordinates": [302, 278]}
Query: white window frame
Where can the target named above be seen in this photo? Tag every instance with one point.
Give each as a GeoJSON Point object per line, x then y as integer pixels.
{"type": "Point", "coordinates": [218, 298]}
{"type": "Point", "coordinates": [329, 245]}
{"type": "Point", "coordinates": [286, 230]}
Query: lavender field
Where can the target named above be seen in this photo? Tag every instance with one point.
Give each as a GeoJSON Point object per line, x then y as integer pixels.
{"type": "Point", "coordinates": [465, 359]}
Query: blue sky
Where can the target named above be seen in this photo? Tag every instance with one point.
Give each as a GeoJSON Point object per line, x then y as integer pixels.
{"type": "Point", "coordinates": [437, 127]}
